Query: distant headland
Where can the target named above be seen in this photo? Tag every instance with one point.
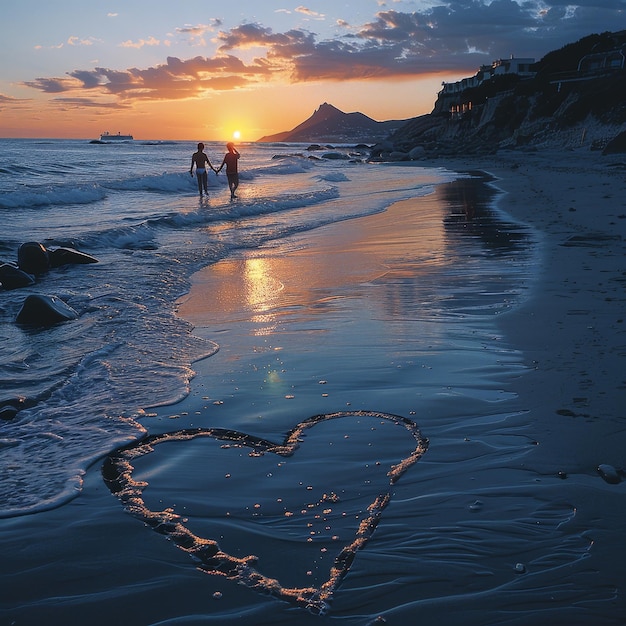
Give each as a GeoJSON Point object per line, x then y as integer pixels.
{"type": "Point", "coordinates": [571, 97]}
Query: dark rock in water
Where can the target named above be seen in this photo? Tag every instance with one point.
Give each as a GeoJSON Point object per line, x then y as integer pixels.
{"type": "Point", "coordinates": [12, 277]}
{"type": "Point", "coordinates": [334, 155]}
{"type": "Point", "coordinates": [45, 311]}
{"type": "Point", "coordinates": [617, 145]}
{"type": "Point", "coordinates": [609, 474]}
{"type": "Point", "coordinates": [7, 412]}
{"type": "Point", "coordinates": [11, 408]}
{"type": "Point", "coordinates": [68, 256]}
{"type": "Point", "coordinates": [32, 258]}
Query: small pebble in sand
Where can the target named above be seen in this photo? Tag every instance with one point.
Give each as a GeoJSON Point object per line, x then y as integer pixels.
{"type": "Point", "coordinates": [520, 568]}
{"type": "Point", "coordinates": [609, 474]}
{"type": "Point", "coordinates": [476, 505]}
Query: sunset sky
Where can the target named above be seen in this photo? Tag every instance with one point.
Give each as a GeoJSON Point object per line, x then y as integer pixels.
{"type": "Point", "coordinates": [203, 70]}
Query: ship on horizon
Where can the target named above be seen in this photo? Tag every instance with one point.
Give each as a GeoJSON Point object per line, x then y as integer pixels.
{"type": "Point", "coordinates": [107, 136]}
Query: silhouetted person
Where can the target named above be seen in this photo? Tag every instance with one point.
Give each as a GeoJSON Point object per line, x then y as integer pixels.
{"type": "Point", "coordinates": [230, 160]}
{"type": "Point", "coordinates": [201, 160]}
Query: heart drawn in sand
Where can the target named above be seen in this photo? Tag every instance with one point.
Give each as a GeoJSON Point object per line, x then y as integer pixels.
{"type": "Point", "coordinates": [209, 557]}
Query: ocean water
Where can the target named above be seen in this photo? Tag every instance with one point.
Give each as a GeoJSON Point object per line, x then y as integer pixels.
{"type": "Point", "coordinates": [83, 387]}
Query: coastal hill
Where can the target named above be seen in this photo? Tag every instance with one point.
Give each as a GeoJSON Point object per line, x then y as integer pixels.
{"type": "Point", "coordinates": [329, 124]}
{"type": "Point", "coordinates": [572, 97]}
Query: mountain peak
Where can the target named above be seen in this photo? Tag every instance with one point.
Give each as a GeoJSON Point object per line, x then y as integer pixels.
{"type": "Point", "coordinates": [327, 108]}
{"type": "Point", "coordinates": [326, 111]}
{"type": "Point", "coordinates": [328, 123]}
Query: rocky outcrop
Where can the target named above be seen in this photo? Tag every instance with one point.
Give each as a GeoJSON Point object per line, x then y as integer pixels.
{"type": "Point", "coordinates": [561, 106]}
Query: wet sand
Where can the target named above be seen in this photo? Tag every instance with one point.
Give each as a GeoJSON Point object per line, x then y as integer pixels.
{"type": "Point", "coordinates": [556, 449]}
{"type": "Point", "coordinates": [513, 371]}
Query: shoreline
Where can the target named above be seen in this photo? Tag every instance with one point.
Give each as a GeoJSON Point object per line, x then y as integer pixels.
{"type": "Point", "coordinates": [571, 327]}
{"type": "Point", "coordinates": [571, 330]}
{"type": "Point", "coordinates": [571, 333]}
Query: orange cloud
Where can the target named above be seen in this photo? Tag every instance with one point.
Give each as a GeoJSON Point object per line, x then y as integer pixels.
{"type": "Point", "coordinates": [176, 79]}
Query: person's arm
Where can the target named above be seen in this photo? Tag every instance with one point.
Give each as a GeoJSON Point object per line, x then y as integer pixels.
{"type": "Point", "coordinates": [191, 168]}
{"type": "Point", "coordinates": [221, 166]}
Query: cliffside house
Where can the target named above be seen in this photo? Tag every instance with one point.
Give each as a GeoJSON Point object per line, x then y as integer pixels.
{"type": "Point", "coordinates": [458, 107]}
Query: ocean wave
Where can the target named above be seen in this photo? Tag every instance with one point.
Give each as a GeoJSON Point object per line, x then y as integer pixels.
{"type": "Point", "coordinates": [144, 235]}
{"type": "Point", "coordinates": [158, 142]}
{"type": "Point", "coordinates": [287, 164]}
{"type": "Point", "coordinates": [62, 195]}
{"type": "Point", "coordinates": [333, 177]}
{"type": "Point", "coordinates": [165, 182]}
{"type": "Point", "coordinates": [30, 198]}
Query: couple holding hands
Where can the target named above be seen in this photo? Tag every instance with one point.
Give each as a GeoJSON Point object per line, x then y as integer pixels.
{"type": "Point", "coordinates": [201, 161]}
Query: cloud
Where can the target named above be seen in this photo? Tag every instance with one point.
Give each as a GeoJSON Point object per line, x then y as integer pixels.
{"type": "Point", "coordinates": [453, 36]}
{"type": "Point", "coordinates": [174, 80]}
{"type": "Point", "coordinates": [257, 36]}
{"type": "Point", "coordinates": [83, 103]}
{"type": "Point", "coordinates": [309, 12]}
{"type": "Point", "coordinates": [7, 103]}
{"type": "Point", "coordinates": [71, 41]}
{"type": "Point", "coordinates": [614, 5]}
{"type": "Point", "coordinates": [53, 85]}
{"type": "Point", "coordinates": [55, 47]}
{"type": "Point", "coordinates": [77, 41]}
{"type": "Point", "coordinates": [9, 99]}
{"type": "Point", "coordinates": [196, 33]}
{"type": "Point", "coordinates": [152, 41]}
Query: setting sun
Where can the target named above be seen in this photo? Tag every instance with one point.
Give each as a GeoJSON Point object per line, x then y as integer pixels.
{"type": "Point", "coordinates": [236, 135]}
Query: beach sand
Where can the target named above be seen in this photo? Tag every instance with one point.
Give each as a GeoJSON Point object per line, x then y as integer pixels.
{"type": "Point", "coordinates": [505, 519]}
{"type": "Point", "coordinates": [570, 331]}
{"type": "Point", "coordinates": [573, 336]}
{"type": "Point", "coordinates": [568, 327]}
